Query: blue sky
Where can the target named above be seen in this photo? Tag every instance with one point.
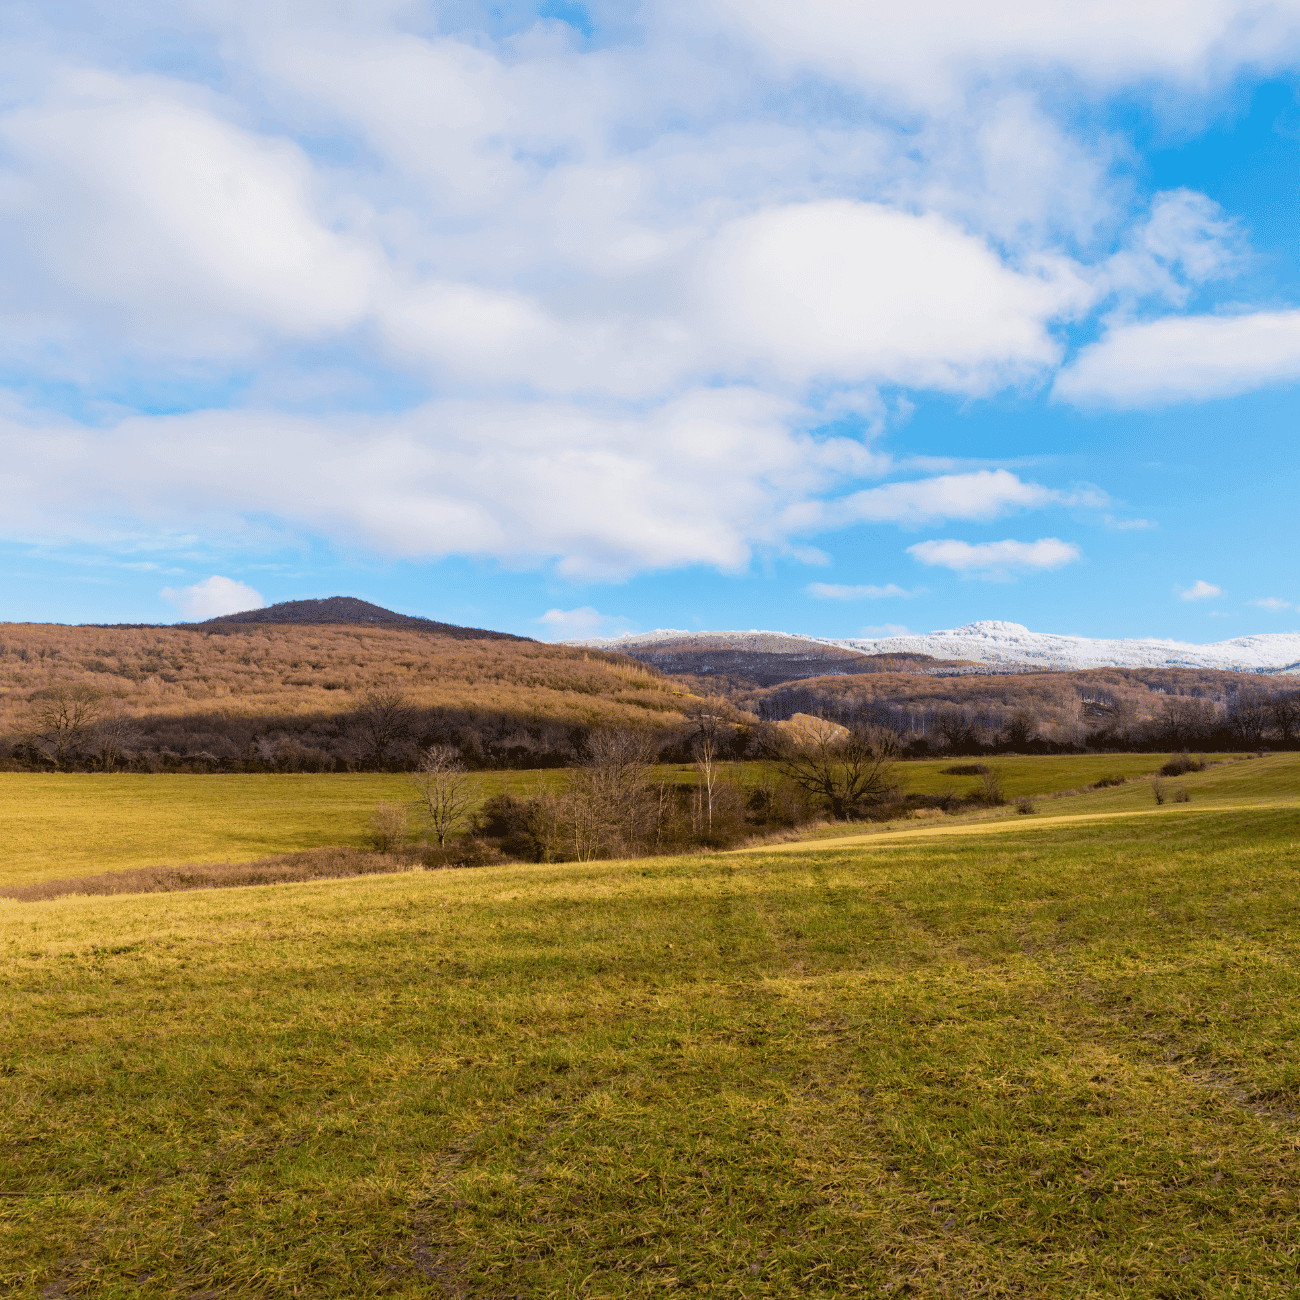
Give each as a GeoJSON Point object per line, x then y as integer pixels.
{"type": "Point", "coordinates": [571, 320]}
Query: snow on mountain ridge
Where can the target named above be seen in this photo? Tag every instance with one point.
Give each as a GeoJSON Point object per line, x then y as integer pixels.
{"type": "Point", "coordinates": [1012, 645]}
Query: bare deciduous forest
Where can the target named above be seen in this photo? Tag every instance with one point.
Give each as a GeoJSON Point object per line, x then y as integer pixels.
{"type": "Point", "coordinates": [262, 696]}
{"type": "Point", "coordinates": [309, 698]}
{"type": "Point", "coordinates": [1049, 712]}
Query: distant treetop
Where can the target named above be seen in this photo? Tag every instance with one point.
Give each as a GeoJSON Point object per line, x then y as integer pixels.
{"type": "Point", "coordinates": [348, 609]}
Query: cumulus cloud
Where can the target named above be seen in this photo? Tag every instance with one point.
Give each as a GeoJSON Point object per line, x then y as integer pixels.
{"type": "Point", "coordinates": [703, 479]}
{"type": "Point", "coordinates": [925, 52]}
{"type": "Point", "coordinates": [996, 559]}
{"type": "Point", "coordinates": [572, 624]}
{"type": "Point", "coordinates": [492, 290]}
{"type": "Point", "coordinates": [1200, 590]}
{"type": "Point", "coordinates": [1184, 359]}
{"type": "Point", "coordinates": [861, 292]}
{"type": "Point", "coordinates": [831, 591]}
{"type": "Point", "coordinates": [212, 597]}
{"type": "Point", "coordinates": [1273, 604]}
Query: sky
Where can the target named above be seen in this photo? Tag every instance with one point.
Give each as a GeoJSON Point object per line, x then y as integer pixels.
{"type": "Point", "coordinates": [842, 318]}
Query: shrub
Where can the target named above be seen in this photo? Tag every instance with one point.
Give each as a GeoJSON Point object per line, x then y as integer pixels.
{"type": "Point", "coordinates": [990, 791]}
{"type": "Point", "coordinates": [1158, 790]}
{"type": "Point", "coordinates": [388, 825]}
{"type": "Point", "coordinates": [469, 851]}
{"type": "Point", "coordinates": [1025, 805]}
{"type": "Point", "coordinates": [1184, 762]}
{"type": "Point", "coordinates": [1108, 781]}
{"type": "Point", "coordinates": [966, 769]}
{"type": "Point", "coordinates": [1181, 795]}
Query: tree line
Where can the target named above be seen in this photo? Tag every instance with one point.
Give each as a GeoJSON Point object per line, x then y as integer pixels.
{"type": "Point", "coordinates": [1252, 716]}
{"type": "Point", "coordinates": [613, 804]}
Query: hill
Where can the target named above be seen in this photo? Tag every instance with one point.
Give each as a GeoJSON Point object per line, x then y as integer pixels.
{"type": "Point", "coordinates": [270, 695]}
{"type": "Point", "coordinates": [721, 665]}
{"type": "Point", "coordinates": [333, 610]}
{"type": "Point", "coordinates": [1006, 647]}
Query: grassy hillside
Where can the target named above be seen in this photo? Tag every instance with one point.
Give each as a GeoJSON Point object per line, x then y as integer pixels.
{"type": "Point", "coordinates": [1030, 1062]}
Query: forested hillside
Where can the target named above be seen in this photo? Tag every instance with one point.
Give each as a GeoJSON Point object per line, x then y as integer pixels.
{"type": "Point", "coordinates": [230, 696]}
{"type": "Point", "coordinates": [1099, 708]}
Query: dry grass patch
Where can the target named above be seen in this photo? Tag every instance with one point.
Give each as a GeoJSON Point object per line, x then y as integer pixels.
{"type": "Point", "coordinates": [313, 864]}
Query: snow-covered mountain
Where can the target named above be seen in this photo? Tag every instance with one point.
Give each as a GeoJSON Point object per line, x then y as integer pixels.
{"type": "Point", "coordinates": [1010, 646]}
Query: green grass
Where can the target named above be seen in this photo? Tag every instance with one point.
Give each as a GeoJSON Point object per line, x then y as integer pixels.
{"type": "Point", "coordinates": [58, 825]}
{"type": "Point", "coordinates": [1032, 775]}
{"type": "Point", "coordinates": [1043, 1059]}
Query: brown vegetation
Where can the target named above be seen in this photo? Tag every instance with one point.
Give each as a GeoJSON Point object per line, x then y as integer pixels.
{"type": "Point", "coordinates": [311, 864]}
{"type": "Point", "coordinates": [1104, 708]}
{"type": "Point", "coordinates": [309, 698]}
{"type": "Point", "coordinates": [724, 667]}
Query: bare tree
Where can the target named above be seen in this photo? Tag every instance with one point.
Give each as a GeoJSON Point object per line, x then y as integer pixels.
{"type": "Point", "coordinates": [113, 736]}
{"type": "Point", "coordinates": [1249, 715]}
{"type": "Point", "coordinates": [705, 749]}
{"type": "Point", "coordinates": [1021, 729]}
{"type": "Point", "coordinates": [1184, 720]}
{"type": "Point", "coordinates": [1285, 708]}
{"type": "Point", "coordinates": [384, 719]}
{"type": "Point", "coordinates": [445, 791]}
{"type": "Point", "coordinates": [846, 771]}
{"type": "Point", "coordinates": [957, 727]}
{"type": "Point", "coordinates": [62, 717]}
{"type": "Point", "coordinates": [608, 807]}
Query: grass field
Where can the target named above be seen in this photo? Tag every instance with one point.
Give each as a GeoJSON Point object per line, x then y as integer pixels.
{"type": "Point", "coordinates": [1028, 1058]}
{"type": "Point", "coordinates": [74, 824]}
{"type": "Point", "coordinates": [59, 825]}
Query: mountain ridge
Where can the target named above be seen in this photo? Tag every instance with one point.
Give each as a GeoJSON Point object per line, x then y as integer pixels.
{"type": "Point", "coordinates": [1003, 645]}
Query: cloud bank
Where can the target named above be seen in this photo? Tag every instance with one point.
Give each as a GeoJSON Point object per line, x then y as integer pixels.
{"type": "Point", "coordinates": [426, 280]}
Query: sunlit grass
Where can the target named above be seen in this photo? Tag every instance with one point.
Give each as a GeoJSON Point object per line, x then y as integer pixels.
{"type": "Point", "coordinates": [76, 824]}
{"type": "Point", "coordinates": [1056, 1060]}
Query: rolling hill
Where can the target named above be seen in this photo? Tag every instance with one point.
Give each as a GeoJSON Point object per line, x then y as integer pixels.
{"type": "Point", "coordinates": [273, 690]}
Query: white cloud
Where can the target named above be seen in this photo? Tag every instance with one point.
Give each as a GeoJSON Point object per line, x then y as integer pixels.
{"type": "Point", "coordinates": [571, 624]}
{"type": "Point", "coordinates": [703, 479]}
{"type": "Point", "coordinates": [1184, 359]}
{"type": "Point", "coordinates": [924, 52]}
{"type": "Point", "coordinates": [831, 591]}
{"type": "Point", "coordinates": [212, 597]}
{"type": "Point", "coordinates": [131, 198]}
{"type": "Point", "coordinates": [996, 559]}
{"type": "Point", "coordinates": [981, 495]}
{"type": "Point", "coordinates": [885, 629]}
{"type": "Point", "coordinates": [861, 292]}
{"type": "Point", "coordinates": [1200, 590]}
{"type": "Point", "coordinates": [1271, 603]}
{"type": "Point", "coordinates": [617, 283]}
{"type": "Point", "coordinates": [1129, 525]}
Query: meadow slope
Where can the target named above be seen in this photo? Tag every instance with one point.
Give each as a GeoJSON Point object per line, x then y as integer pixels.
{"type": "Point", "coordinates": [1048, 1060]}
{"type": "Point", "coordinates": [76, 824]}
